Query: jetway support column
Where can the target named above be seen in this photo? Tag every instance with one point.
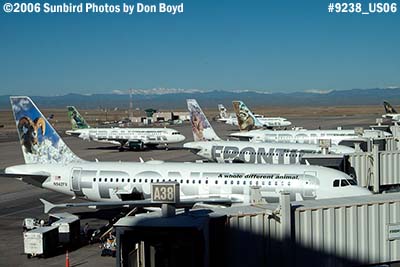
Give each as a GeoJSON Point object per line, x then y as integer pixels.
{"type": "Point", "coordinates": [168, 210]}
{"type": "Point", "coordinates": [375, 155]}
{"type": "Point", "coordinates": [286, 220]}
{"type": "Point", "coordinates": [286, 226]}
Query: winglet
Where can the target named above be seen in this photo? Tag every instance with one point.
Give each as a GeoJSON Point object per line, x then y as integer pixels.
{"type": "Point", "coordinates": [246, 119]}
{"type": "Point", "coordinates": [47, 205]}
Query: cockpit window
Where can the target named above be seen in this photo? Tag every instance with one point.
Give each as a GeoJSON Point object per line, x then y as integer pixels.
{"type": "Point", "coordinates": [336, 183]}
{"type": "Point", "coordinates": [352, 181]}
{"type": "Point", "coordinates": [344, 182]}
{"type": "Point", "coordinates": [175, 133]}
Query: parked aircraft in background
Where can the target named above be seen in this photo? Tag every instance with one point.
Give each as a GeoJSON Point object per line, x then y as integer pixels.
{"type": "Point", "coordinates": [222, 112]}
{"type": "Point", "coordinates": [76, 119]}
{"type": "Point", "coordinates": [268, 122]}
{"type": "Point", "coordinates": [391, 113]}
{"type": "Point", "coordinates": [225, 117]}
{"type": "Point", "coordinates": [49, 163]}
{"type": "Point", "coordinates": [247, 122]}
{"type": "Point", "coordinates": [210, 146]}
{"type": "Point", "coordinates": [132, 138]}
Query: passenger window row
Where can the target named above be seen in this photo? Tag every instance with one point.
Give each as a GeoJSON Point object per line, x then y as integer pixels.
{"type": "Point", "coordinates": [267, 154]}
{"type": "Point", "coordinates": [226, 182]}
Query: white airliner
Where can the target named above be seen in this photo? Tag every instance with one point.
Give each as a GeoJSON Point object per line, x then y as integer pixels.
{"type": "Point", "coordinates": [133, 138]}
{"type": "Point", "coordinates": [225, 117]}
{"type": "Point", "coordinates": [268, 122]}
{"type": "Point", "coordinates": [247, 121]}
{"type": "Point", "coordinates": [391, 113]}
{"type": "Point", "coordinates": [209, 145]}
{"type": "Point", "coordinates": [49, 163]}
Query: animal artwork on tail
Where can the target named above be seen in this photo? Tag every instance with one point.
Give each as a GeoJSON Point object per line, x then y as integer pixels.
{"type": "Point", "coordinates": [29, 130]}
{"type": "Point", "coordinates": [38, 137]}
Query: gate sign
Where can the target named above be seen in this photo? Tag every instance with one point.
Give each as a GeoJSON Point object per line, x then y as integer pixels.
{"type": "Point", "coordinates": [393, 231]}
{"type": "Point", "coordinates": [165, 192]}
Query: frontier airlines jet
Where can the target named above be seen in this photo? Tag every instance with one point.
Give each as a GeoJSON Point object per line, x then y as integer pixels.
{"type": "Point", "coordinates": [391, 113]}
{"type": "Point", "coordinates": [207, 144]}
{"type": "Point", "coordinates": [247, 122]}
{"type": "Point", "coordinates": [133, 138]}
{"type": "Point", "coordinates": [267, 122]}
{"type": "Point", "coordinates": [49, 163]}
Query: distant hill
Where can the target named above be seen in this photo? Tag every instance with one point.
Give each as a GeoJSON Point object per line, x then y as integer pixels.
{"type": "Point", "coordinates": [210, 99]}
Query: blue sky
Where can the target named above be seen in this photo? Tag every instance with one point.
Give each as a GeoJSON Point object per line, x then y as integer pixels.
{"type": "Point", "coordinates": [227, 45]}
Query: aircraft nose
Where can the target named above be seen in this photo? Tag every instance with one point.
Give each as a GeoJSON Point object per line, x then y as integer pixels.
{"type": "Point", "coordinates": [365, 192]}
{"type": "Point", "coordinates": [193, 147]}
{"type": "Point", "coordinates": [349, 150]}
{"type": "Point", "coordinates": [188, 145]}
{"type": "Point", "coordinates": [181, 138]}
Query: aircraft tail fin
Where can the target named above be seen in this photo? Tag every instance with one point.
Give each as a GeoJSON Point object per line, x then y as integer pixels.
{"type": "Point", "coordinates": [77, 120]}
{"type": "Point", "coordinates": [388, 108]}
{"type": "Point", "coordinates": [222, 112]}
{"type": "Point", "coordinates": [40, 143]}
{"type": "Point", "coordinates": [201, 127]}
{"type": "Point", "coordinates": [246, 119]}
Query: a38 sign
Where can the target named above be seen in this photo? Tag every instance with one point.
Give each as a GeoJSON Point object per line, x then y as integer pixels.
{"type": "Point", "coordinates": [165, 192]}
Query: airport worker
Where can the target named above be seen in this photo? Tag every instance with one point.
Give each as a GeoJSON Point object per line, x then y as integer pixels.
{"type": "Point", "coordinates": [86, 230]}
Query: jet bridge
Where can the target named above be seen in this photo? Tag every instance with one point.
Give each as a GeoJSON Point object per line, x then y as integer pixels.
{"type": "Point", "coordinates": [167, 238]}
{"type": "Point", "coordinates": [338, 162]}
{"type": "Point", "coordinates": [350, 231]}
{"type": "Point", "coordinates": [153, 240]}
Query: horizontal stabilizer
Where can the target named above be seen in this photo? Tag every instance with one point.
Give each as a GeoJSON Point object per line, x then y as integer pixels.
{"type": "Point", "coordinates": [33, 179]}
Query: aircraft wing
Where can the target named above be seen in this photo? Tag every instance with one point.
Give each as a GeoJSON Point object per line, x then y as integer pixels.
{"type": "Point", "coordinates": [124, 141]}
{"type": "Point", "coordinates": [117, 141]}
{"type": "Point", "coordinates": [359, 139]}
{"type": "Point", "coordinates": [186, 203]}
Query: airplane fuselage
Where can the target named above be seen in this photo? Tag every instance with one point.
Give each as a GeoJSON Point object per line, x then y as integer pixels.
{"type": "Point", "coordinates": [257, 152]}
{"type": "Point", "coordinates": [393, 117]}
{"type": "Point", "coordinates": [266, 121]}
{"type": "Point", "coordinates": [149, 136]}
{"type": "Point", "coordinates": [111, 181]}
{"type": "Point", "coordinates": [306, 136]}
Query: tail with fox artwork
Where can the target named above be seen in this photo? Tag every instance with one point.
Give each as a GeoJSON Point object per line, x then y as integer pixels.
{"type": "Point", "coordinates": [201, 127]}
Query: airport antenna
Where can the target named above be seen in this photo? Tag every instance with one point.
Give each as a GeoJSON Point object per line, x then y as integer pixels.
{"type": "Point", "coordinates": [130, 104]}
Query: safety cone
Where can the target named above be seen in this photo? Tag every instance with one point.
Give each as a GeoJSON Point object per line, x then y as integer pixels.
{"type": "Point", "coordinates": [66, 259]}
